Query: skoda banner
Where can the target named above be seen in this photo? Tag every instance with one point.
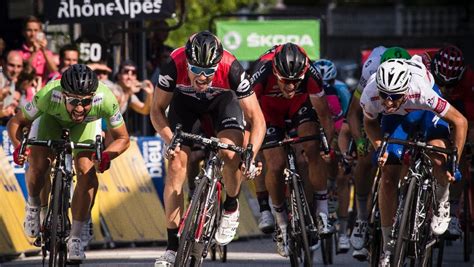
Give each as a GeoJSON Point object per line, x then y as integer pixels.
{"type": "Point", "coordinates": [67, 11]}
{"type": "Point", "coordinates": [248, 40]}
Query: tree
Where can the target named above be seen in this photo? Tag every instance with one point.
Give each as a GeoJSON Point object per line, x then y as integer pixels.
{"type": "Point", "coordinates": [199, 13]}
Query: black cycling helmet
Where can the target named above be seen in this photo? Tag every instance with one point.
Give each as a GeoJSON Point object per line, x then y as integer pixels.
{"type": "Point", "coordinates": [80, 80]}
{"type": "Point", "coordinates": [290, 61]}
{"type": "Point", "coordinates": [204, 50]}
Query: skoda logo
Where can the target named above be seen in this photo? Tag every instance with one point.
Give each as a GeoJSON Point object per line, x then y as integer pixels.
{"type": "Point", "coordinates": [232, 40]}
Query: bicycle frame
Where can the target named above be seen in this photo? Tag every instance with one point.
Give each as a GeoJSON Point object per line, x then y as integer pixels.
{"type": "Point", "coordinates": [56, 224]}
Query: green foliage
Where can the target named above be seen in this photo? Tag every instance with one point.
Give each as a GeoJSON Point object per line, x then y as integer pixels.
{"type": "Point", "coordinates": [199, 13]}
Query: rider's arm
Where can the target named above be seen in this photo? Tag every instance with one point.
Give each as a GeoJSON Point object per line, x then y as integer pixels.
{"type": "Point", "coordinates": [253, 115]}
{"type": "Point", "coordinates": [14, 127]}
{"type": "Point", "coordinates": [373, 130]}
{"type": "Point", "coordinates": [322, 109]}
{"type": "Point", "coordinates": [143, 107]}
{"type": "Point", "coordinates": [161, 100]}
{"type": "Point", "coordinates": [121, 141]}
{"type": "Point", "coordinates": [460, 125]}
{"type": "Point", "coordinates": [353, 117]}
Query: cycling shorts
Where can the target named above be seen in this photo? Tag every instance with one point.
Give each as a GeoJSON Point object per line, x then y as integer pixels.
{"type": "Point", "coordinates": [224, 110]}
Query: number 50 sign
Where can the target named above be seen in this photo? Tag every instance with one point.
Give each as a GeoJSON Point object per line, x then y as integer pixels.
{"type": "Point", "coordinates": [90, 52]}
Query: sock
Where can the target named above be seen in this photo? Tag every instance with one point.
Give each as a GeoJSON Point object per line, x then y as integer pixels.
{"type": "Point", "coordinates": [321, 200]}
{"type": "Point", "coordinates": [230, 203]}
{"type": "Point", "coordinates": [362, 212]}
{"type": "Point", "coordinates": [34, 201]}
{"type": "Point", "coordinates": [281, 215]}
{"type": "Point", "coordinates": [262, 198]}
{"type": "Point", "coordinates": [173, 240]}
{"type": "Point", "coordinates": [386, 236]}
{"type": "Point", "coordinates": [343, 225]}
{"type": "Point", "coordinates": [442, 193]}
{"type": "Point", "coordinates": [76, 229]}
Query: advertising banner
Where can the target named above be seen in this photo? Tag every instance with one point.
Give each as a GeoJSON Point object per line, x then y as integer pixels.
{"type": "Point", "coordinates": [248, 40]}
{"type": "Point", "coordinates": [8, 149]}
{"type": "Point", "coordinates": [94, 11]}
{"type": "Point", "coordinates": [152, 150]}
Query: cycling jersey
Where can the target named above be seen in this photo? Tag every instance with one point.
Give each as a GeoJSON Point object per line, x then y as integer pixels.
{"type": "Point", "coordinates": [344, 95]}
{"type": "Point", "coordinates": [230, 75]}
{"type": "Point", "coordinates": [461, 96]}
{"type": "Point", "coordinates": [334, 106]}
{"type": "Point", "coordinates": [370, 67]}
{"type": "Point", "coordinates": [48, 112]}
{"type": "Point", "coordinates": [420, 95]}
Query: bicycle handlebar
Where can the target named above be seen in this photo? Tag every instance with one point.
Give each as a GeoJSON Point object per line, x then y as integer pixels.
{"type": "Point", "coordinates": [213, 142]}
{"type": "Point", "coordinates": [451, 152]}
{"type": "Point", "coordinates": [290, 141]}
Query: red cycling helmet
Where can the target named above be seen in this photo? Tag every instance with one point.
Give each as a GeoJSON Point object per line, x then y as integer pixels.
{"type": "Point", "coordinates": [447, 65]}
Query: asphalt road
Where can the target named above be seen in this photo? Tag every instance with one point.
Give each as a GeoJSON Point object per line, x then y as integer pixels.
{"type": "Point", "coordinates": [252, 252]}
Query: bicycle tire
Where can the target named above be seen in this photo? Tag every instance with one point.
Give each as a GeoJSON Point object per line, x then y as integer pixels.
{"type": "Point", "coordinates": [439, 259]}
{"type": "Point", "coordinates": [186, 240]}
{"type": "Point", "coordinates": [375, 248]}
{"type": "Point", "coordinates": [467, 224]}
{"type": "Point", "coordinates": [401, 246]}
{"type": "Point", "coordinates": [54, 242]}
{"type": "Point", "coordinates": [326, 249]}
{"type": "Point", "coordinates": [307, 255]}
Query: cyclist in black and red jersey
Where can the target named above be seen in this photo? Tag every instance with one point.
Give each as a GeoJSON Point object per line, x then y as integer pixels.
{"type": "Point", "coordinates": [288, 87]}
{"type": "Point", "coordinates": [203, 78]}
{"type": "Point", "coordinates": [456, 83]}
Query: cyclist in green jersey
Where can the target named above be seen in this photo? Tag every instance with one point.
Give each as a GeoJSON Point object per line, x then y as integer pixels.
{"type": "Point", "coordinates": [78, 101]}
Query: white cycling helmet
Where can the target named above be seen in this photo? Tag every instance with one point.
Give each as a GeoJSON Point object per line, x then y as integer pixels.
{"type": "Point", "coordinates": [393, 76]}
{"type": "Point", "coordinates": [326, 68]}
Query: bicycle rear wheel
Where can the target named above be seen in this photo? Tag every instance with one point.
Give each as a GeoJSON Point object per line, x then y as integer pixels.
{"type": "Point", "coordinates": [187, 237]}
{"type": "Point", "coordinates": [375, 247]}
{"type": "Point", "coordinates": [405, 225]}
{"type": "Point", "coordinates": [57, 250]}
{"type": "Point", "coordinates": [304, 241]}
{"type": "Point", "coordinates": [326, 249]}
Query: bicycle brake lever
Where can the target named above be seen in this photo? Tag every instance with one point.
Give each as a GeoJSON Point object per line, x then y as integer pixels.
{"type": "Point", "coordinates": [248, 155]}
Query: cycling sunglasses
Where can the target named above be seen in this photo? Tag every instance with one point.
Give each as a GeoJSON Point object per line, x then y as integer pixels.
{"type": "Point", "coordinates": [198, 70]}
{"type": "Point", "coordinates": [288, 81]}
{"type": "Point", "coordinates": [78, 101]}
{"type": "Point", "coordinates": [392, 97]}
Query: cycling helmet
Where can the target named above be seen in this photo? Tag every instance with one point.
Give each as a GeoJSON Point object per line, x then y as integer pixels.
{"type": "Point", "coordinates": [326, 68]}
{"type": "Point", "coordinates": [80, 80]}
{"type": "Point", "coordinates": [447, 65]}
{"type": "Point", "coordinates": [394, 52]}
{"type": "Point", "coordinates": [204, 50]}
{"type": "Point", "coordinates": [393, 76]}
{"type": "Point", "coordinates": [290, 61]}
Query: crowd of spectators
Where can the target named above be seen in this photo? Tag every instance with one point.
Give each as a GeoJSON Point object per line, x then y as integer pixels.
{"type": "Point", "coordinates": [26, 69]}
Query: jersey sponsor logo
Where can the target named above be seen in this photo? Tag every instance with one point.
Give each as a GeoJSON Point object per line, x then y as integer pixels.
{"type": "Point", "coordinates": [257, 74]}
{"type": "Point", "coordinates": [375, 98]}
{"type": "Point", "coordinates": [165, 81]}
{"type": "Point", "coordinates": [98, 99]}
{"type": "Point", "coordinates": [314, 71]}
{"type": "Point", "coordinates": [56, 96]}
{"type": "Point", "coordinates": [369, 61]}
{"type": "Point", "coordinates": [435, 120]}
{"type": "Point", "coordinates": [90, 118]}
{"type": "Point", "coordinates": [31, 109]}
{"type": "Point", "coordinates": [441, 105]}
{"type": "Point", "coordinates": [116, 119]}
{"type": "Point", "coordinates": [430, 101]}
{"type": "Point", "coordinates": [302, 110]}
{"type": "Point", "coordinates": [244, 84]}
{"type": "Point", "coordinates": [413, 96]}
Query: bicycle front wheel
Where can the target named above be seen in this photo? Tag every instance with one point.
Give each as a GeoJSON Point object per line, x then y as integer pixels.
{"type": "Point", "coordinates": [304, 241]}
{"type": "Point", "coordinates": [187, 237]}
{"type": "Point", "coordinates": [405, 225]}
{"type": "Point", "coordinates": [57, 250]}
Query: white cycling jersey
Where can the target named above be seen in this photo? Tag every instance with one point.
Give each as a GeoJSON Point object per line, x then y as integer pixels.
{"type": "Point", "coordinates": [370, 66]}
{"type": "Point", "coordinates": [420, 96]}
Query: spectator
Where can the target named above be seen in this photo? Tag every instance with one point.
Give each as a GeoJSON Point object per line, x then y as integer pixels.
{"type": "Point", "coordinates": [11, 69]}
{"type": "Point", "coordinates": [68, 55]}
{"type": "Point", "coordinates": [128, 86]}
{"type": "Point", "coordinates": [101, 69]}
{"type": "Point", "coordinates": [34, 49]}
{"type": "Point", "coordinates": [28, 84]}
